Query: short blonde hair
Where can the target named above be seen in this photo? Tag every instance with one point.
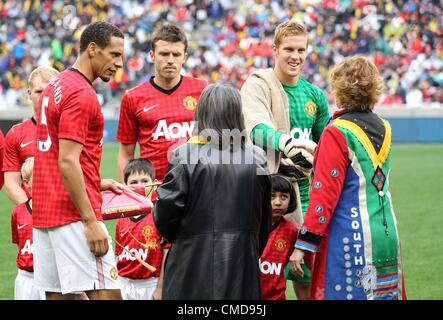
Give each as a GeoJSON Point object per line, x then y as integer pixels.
{"type": "Point", "coordinates": [27, 169]}
{"type": "Point", "coordinates": [289, 28]}
{"type": "Point", "coordinates": [356, 83]}
{"type": "Point", "coordinates": [44, 73]}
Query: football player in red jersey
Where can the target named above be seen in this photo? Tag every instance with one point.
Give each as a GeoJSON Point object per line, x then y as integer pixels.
{"type": "Point", "coordinates": [20, 141]}
{"type": "Point", "coordinates": [71, 242]}
{"type": "Point", "coordinates": [21, 225]}
{"type": "Point", "coordinates": [159, 113]}
{"type": "Point", "coordinates": [281, 240]}
{"type": "Point", "coordinates": [140, 238]}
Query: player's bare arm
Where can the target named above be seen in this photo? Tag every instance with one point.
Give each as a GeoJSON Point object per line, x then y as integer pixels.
{"type": "Point", "coordinates": [69, 164]}
{"type": "Point", "coordinates": [13, 189]}
{"type": "Point", "coordinates": [125, 153]}
{"type": "Point", "coordinates": [111, 184]}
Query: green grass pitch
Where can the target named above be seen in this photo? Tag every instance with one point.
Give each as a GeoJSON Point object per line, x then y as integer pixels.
{"type": "Point", "coordinates": [416, 187]}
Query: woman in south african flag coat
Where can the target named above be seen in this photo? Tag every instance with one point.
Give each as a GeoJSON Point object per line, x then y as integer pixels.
{"type": "Point", "coordinates": [350, 226]}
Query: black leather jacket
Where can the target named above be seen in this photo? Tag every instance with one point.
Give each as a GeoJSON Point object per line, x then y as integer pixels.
{"type": "Point", "coordinates": [217, 217]}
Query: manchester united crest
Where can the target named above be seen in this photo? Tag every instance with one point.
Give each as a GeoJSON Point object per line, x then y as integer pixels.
{"type": "Point", "coordinates": [190, 103]}
{"type": "Point", "coordinates": [310, 108]}
{"type": "Point", "coordinates": [280, 244]}
{"type": "Point", "coordinates": [113, 273]}
{"type": "Point", "coordinates": [147, 231]}
{"type": "Point", "coordinates": [148, 234]}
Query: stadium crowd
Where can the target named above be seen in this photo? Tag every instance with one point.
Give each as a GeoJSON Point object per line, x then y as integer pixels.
{"type": "Point", "coordinates": [230, 39]}
{"type": "Point", "coordinates": [185, 127]}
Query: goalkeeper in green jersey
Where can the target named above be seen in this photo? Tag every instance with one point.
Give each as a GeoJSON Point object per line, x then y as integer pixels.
{"type": "Point", "coordinates": [285, 115]}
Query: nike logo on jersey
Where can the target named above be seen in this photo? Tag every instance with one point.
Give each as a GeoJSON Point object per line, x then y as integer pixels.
{"type": "Point", "coordinates": [123, 233]}
{"type": "Point", "coordinates": [22, 145]}
{"type": "Point", "coordinates": [149, 108]}
{"type": "Point", "coordinates": [22, 226]}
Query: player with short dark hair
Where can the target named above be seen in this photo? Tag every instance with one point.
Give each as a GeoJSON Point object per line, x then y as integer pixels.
{"type": "Point", "coordinates": [169, 33]}
{"type": "Point", "coordinates": [71, 243]}
{"type": "Point", "coordinates": [101, 33]}
{"type": "Point", "coordinates": [159, 113]}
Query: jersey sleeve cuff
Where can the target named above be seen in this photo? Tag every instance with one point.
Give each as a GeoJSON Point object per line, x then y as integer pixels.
{"type": "Point", "coordinates": [277, 136]}
{"type": "Point", "coordinates": [72, 138]}
{"type": "Point", "coordinates": [11, 169]}
{"type": "Point", "coordinates": [308, 241]}
{"type": "Point", "coordinates": [126, 141]}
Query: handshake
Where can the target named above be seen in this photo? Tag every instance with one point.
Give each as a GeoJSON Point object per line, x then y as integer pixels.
{"type": "Point", "coordinates": [298, 157]}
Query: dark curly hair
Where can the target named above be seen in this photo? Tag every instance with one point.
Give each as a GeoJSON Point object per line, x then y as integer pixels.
{"type": "Point", "coordinates": [99, 32]}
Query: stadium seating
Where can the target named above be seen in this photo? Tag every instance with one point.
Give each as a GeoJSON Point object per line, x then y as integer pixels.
{"type": "Point", "coordinates": [231, 38]}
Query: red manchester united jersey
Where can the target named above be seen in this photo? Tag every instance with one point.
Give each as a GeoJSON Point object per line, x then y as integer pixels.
{"type": "Point", "coordinates": [276, 255]}
{"type": "Point", "coordinates": [68, 109]}
{"type": "Point", "coordinates": [21, 224]}
{"type": "Point", "coordinates": [20, 144]}
{"type": "Point", "coordinates": [158, 119]}
{"type": "Point", "coordinates": [140, 237]}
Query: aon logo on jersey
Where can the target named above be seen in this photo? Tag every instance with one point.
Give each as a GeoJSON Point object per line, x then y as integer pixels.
{"type": "Point", "coordinates": [27, 248]}
{"type": "Point", "coordinates": [267, 267]}
{"type": "Point", "coordinates": [174, 130]}
{"type": "Point", "coordinates": [299, 133]}
{"type": "Point", "coordinates": [131, 254]}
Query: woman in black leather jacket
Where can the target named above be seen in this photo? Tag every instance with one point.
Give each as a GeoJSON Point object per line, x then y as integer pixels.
{"type": "Point", "coordinates": [215, 206]}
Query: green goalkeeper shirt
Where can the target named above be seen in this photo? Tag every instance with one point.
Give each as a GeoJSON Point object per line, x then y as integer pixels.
{"type": "Point", "coordinates": [308, 116]}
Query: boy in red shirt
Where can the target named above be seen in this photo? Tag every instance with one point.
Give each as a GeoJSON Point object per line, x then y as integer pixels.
{"type": "Point", "coordinates": [281, 240]}
{"type": "Point", "coordinates": [141, 239]}
{"type": "Point", "coordinates": [21, 225]}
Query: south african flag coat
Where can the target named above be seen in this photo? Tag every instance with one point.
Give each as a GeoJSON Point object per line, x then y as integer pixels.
{"type": "Point", "coordinates": [350, 225]}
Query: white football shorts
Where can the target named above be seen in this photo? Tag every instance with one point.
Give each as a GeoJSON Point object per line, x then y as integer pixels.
{"type": "Point", "coordinates": [134, 289]}
{"type": "Point", "coordinates": [64, 264]}
{"type": "Point", "coordinates": [24, 287]}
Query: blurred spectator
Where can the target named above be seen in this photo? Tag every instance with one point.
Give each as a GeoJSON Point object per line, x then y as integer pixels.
{"type": "Point", "coordinates": [392, 98]}
{"type": "Point", "coordinates": [230, 39]}
{"type": "Point", "coordinates": [414, 97]}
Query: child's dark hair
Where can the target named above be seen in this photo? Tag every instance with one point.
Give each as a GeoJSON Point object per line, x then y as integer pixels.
{"type": "Point", "coordinates": [282, 184]}
{"type": "Point", "coordinates": [140, 165]}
